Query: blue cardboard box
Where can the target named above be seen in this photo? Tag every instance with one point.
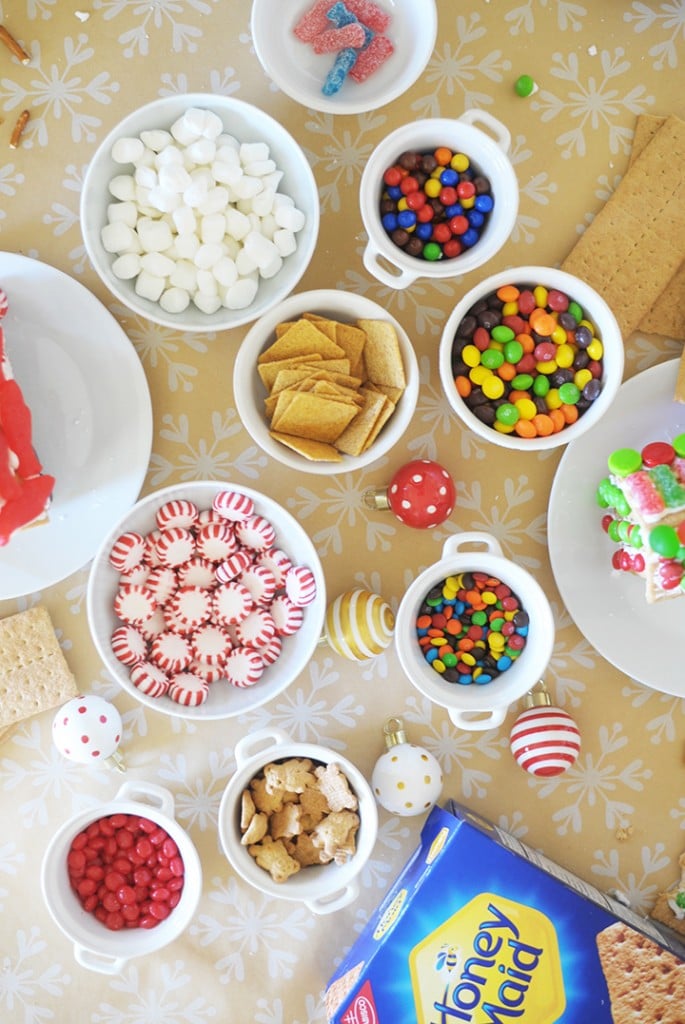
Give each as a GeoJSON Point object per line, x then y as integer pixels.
{"type": "Point", "coordinates": [480, 929]}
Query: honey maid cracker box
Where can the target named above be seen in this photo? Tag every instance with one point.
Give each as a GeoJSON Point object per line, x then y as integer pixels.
{"type": "Point", "coordinates": [480, 929]}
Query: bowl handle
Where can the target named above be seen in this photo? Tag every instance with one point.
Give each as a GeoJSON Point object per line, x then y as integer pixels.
{"type": "Point", "coordinates": [260, 742]}
{"type": "Point", "coordinates": [455, 543]}
{"type": "Point", "coordinates": [477, 117]}
{"type": "Point", "coordinates": [99, 962]}
{"type": "Point", "coordinates": [148, 792]}
{"type": "Point", "coordinates": [334, 902]}
{"type": "Point", "coordinates": [491, 719]}
{"type": "Point", "coordinates": [402, 279]}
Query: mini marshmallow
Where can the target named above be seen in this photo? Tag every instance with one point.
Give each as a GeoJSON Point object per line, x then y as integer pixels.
{"type": "Point", "coordinates": [174, 178]}
{"type": "Point", "coordinates": [195, 195]}
{"type": "Point", "coordinates": [271, 268]}
{"type": "Point", "coordinates": [207, 255]}
{"type": "Point", "coordinates": [169, 155]}
{"type": "Point", "coordinates": [260, 249]}
{"type": "Point", "coordinates": [285, 242]}
{"type": "Point", "coordinates": [240, 294]}
{"type": "Point", "coordinates": [155, 236]}
{"type": "Point", "coordinates": [268, 226]}
{"type": "Point", "coordinates": [187, 246]}
{"type": "Point", "coordinates": [123, 187]}
{"type": "Point", "coordinates": [245, 265]}
{"type": "Point", "coordinates": [127, 150]}
{"type": "Point", "coordinates": [289, 217]}
{"type": "Point", "coordinates": [259, 168]}
{"type": "Point", "coordinates": [247, 187]}
{"type": "Point", "coordinates": [148, 286]}
{"type": "Point", "coordinates": [263, 203]}
{"type": "Point", "coordinates": [146, 177]}
{"type": "Point", "coordinates": [226, 172]}
{"type": "Point", "coordinates": [164, 200]}
{"type": "Point", "coordinates": [207, 283]}
{"type": "Point", "coordinates": [201, 152]}
{"type": "Point", "coordinates": [126, 212]}
{"type": "Point", "coordinates": [225, 271]}
{"type": "Point", "coordinates": [212, 228]}
{"type": "Point", "coordinates": [184, 275]}
{"type": "Point", "coordinates": [227, 141]}
{"type": "Point", "coordinates": [206, 303]}
{"type": "Point", "coordinates": [157, 264]}
{"type": "Point", "coordinates": [185, 129]}
{"type": "Point", "coordinates": [251, 151]}
{"type": "Point", "coordinates": [127, 266]}
{"type": "Point", "coordinates": [174, 300]}
{"type": "Point", "coordinates": [156, 139]}
{"type": "Point", "coordinates": [117, 237]}
{"type": "Point", "coordinates": [215, 201]}
{"type": "Point", "coordinates": [184, 220]}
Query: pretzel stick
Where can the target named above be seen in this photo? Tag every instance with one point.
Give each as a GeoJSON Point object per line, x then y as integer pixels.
{"type": "Point", "coordinates": [13, 46]}
{"type": "Point", "coordinates": [22, 121]}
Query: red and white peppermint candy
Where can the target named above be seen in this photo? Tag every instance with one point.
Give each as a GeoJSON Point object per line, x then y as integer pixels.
{"type": "Point", "coordinates": [174, 546]}
{"type": "Point", "coordinates": [232, 602]}
{"type": "Point", "coordinates": [153, 626]}
{"type": "Point", "coordinates": [191, 605]}
{"type": "Point", "coordinates": [133, 604]}
{"type": "Point", "coordinates": [207, 673]}
{"type": "Point", "coordinates": [173, 624]}
{"type": "Point", "coordinates": [256, 532]}
{"type": "Point", "coordinates": [207, 515]}
{"type": "Point", "coordinates": [276, 561]}
{"type": "Point", "coordinates": [288, 617]}
{"type": "Point", "coordinates": [233, 505]}
{"type": "Point", "coordinates": [4, 303]}
{"type": "Point", "coordinates": [136, 577]}
{"type": "Point", "coordinates": [188, 689]}
{"type": "Point", "coordinates": [300, 585]}
{"type": "Point", "coordinates": [177, 512]}
{"type": "Point", "coordinates": [162, 583]}
{"type": "Point", "coordinates": [261, 583]}
{"type": "Point", "coordinates": [150, 556]}
{"type": "Point", "coordinates": [129, 645]}
{"type": "Point", "coordinates": [210, 644]}
{"type": "Point", "coordinates": [256, 630]}
{"type": "Point", "coordinates": [198, 572]}
{"type": "Point", "coordinates": [149, 679]}
{"type": "Point", "coordinates": [216, 541]}
{"type": "Point", "coordinates": [243, 667]}
{"type": "Point", "coordinates": [170, 652]}
{"type": "Point", "coordinates": [127, 551]}
{"type": "Point", "coordinates": [233, 566]}
{"type": "Point", "coordinates": [272, 651]}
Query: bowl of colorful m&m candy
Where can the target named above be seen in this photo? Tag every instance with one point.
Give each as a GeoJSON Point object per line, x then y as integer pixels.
{"type": "Point", "coordinates": [474, 632]}
{"type": "Point", "coordinates": [122, 880]}
{"type": "Point", "coordinates": [438, 198]}
{"type": "Point", "coordinates": [531, 358]}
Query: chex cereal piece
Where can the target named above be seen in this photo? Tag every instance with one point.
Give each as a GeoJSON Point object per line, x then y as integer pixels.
{"type": "Point", "coordinates": [174, 546]}
{"type": "Point", "coordinates": [334, 835]}
{"type": "Point", "coordinates": [137, 576]}
{"type": "Point", "coordinates": [162, 582]}
{"type": "Point", "coordinates": [177, 512]}
{"type": "Point", "coordinates": [273, 857]}
{"type": "Point", "coordinates": [300, 585]}
{"type": "Point", "coordinates": [210, 644]}
{"type": "Point", "coordinates": [261, 583]}
{"type": "Point", "coordinates": [233, 505]}
{"type": "Point", "coordinates": [288, 617]}
{"type": "Point", "coordinates": [293, 775]}
{"type": "Point", "coordinates": [285, 824]}
{"type": "Point", "coordinates": [335, 788]}
{"type": "Point", "coordinates": [272, 651]}
{"type": "Point", "coordinates": [197, 572]}
{"type": "Point", "coordinates": [276, 561]}
{"type": "Point", "coordinates": [188, 689]}
{"type": "Point", "coordinates": [127, 551]}
{"type": "Point", "coordinates": [257, 629]}
{"type": "Point", "coordinates": [216, 541]}
{"type": "Point", "coordinates": [256, 829]}
{"type": "Point", "coordinates": [129, 645]}
{"type": "Point", "coordinates": [233, 566]}
{"type": "Point", "coordinates": [133, 604]}
{"type": "Point", "coordinates": [256, 532]}
{"type": "Point", "coordinates": [243, 666]}
{"type": "Point", "coordinates": [191, 605]}
{"type": "Point", "coordinates": [231, 602]}
{"type": "Point", "coordinates": [149, 679]}
{"type": "Point", "coordinates": [170, 652]}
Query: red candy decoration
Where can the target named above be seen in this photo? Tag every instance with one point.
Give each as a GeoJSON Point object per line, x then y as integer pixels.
{"type": "Point", "coordinates": [545, 741]}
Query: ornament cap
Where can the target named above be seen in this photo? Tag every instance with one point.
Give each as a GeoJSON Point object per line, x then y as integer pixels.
{"type": "Point", "coordinates": [538, 697]}
{"type": "Point", "coordinates": [375, 498]}
{"type": "Point", "coordinates": [393, 732]}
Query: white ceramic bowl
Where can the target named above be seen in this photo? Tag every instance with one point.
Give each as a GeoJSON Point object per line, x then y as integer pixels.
{"type": "Point", "coordinates": [300, 72]}
{"type": "Point", "coordinates": [595, 309]}
{"type": "Point", "coordinates": [224, 700]}
{"type": "Point", "coordinates": [322, 888]}
{"type": "Point", "coordinates": [95, 946]}
{"type": "Point", "coordinates": [486, 141]}
{"type": "Point", "coordinates": [249, 392]}
{"type": "Point", "coordinates": [472, 706]}
{"type": "Point", "coordinates": [248, 124]}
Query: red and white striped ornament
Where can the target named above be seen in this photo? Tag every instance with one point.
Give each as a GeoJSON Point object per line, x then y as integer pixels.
{"type": "Point", "coordinates": [544, 740]}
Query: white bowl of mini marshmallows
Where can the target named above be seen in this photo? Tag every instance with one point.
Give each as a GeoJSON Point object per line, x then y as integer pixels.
{"type": "Point", "coordinates": [199, 212]}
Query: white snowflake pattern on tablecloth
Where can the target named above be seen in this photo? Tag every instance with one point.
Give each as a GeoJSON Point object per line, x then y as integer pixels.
{"type": "Point", "coordinates": [157, 345]}
{"type": "Point", "coordinates": [23, 985]}
{"type": "Point", "coordinates": [197, 798]}
{"type": "Point", "coordinates": [433, 409]}
{"type": "Point", "coordinates": [221, 83]}
{"type": "Point", "coordinates": [522, 18]}
{"type": "Point", "coordinates": [344, 153]}
{"type": "Point", "coordinates": [669, 18]}
{"type": "Point", "coordinates": [157, 20]}
{"type": "Point", "coordinates": [60, 91]}
{"type": "Point", "coordinates": [161, 999]}
{"type": "Point", "coordinates": [640, 890]}
{"type": "Point", "coordinates": [662, 726]}
{"type": "Point", "coordinates": [205, 458]}
{"type": "Point", "coordinates": [504, 521]}
{"type": "Point", "coordinates": [10, 857]}
{"type": "Point", "coordinates": [514, 824]}
{"type": "Point", "coordinates": [537, 189]}
{"type": "Point", "coordinates": [428, 319]}
{"type": "Point", "coordinates": [9, 179]}
{"type": "Point", "coordinates": [591, 102]}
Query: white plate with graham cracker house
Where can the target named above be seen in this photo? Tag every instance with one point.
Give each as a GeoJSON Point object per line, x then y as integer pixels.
{"type": "Point", "coordinates": [91, 417]}
{"type": "Point", "coordinates": [326, 382]}
{"type": "Point", "coordinates": [609, 606]}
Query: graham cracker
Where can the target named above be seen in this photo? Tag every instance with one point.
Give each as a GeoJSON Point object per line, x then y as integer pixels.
{"type": "Point", "coordinates": [662, 911]}
{"type": "Point", "coordinates": [34, 675]}
{"type": "Point", "coordinates": [646, 983]}
{"type": "Point", "coordinates": [630, 252]}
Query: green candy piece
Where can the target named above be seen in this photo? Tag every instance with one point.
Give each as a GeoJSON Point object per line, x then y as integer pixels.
{"type": "Point", "coordinates": [479, 618]}
{"type": "Point", "coordinates": [679, 445]}
{"type": "Point", "coordinates": [502, 333]}
{"type": "Point", "coordinates": [680, 899]}
{"type": "Point", "coordinates": [624, 528]}
{"type": "Point", "coordinates": [525, 86]}
{"type": "Point", "coordinates": [635, 537]}
{"type": "Point", "coordinates": [522, 382]}
{"type": "Point", "coordinates": [507, 414]}
{"type": "Point", "coordinates": [541, 385]}
{"type": "Point", "coordinates": [432, 251]}
{"type": "Point", "coordinates": [449, 660]}
{"type": "Point", "coordinates": [664, 540]}
{"type": "Point", "coordinates": [614, 531]}
{"type": "Point", "coordinates": [576, 311]}
{"type": "Point", "coordinates": [624, 461]}
{"type": "Point", "coordinates": [513, 350]}
{"type": "Point", "coordinates": [569, 393]}
{"type": "Point", "coordinates": [668, 486]}
{"type": "Point", "coordinates": [492, 358]}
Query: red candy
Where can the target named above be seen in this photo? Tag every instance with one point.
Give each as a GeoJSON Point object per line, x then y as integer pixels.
{"type": "Point", "coordinates": [104, 869]}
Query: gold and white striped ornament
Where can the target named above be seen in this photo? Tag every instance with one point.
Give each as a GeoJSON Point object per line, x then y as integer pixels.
{"type": "Point", "coordinates": [359, 625]}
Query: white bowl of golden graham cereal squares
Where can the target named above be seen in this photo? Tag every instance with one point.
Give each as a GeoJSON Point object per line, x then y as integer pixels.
{"type": "Point", "coordinates": [326, 382]}
{"type": "Point", "coordinates": [297, 821]}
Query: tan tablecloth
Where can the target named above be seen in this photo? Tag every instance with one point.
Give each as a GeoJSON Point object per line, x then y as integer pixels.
{"type": "Point", "coordinates": [246, 957]}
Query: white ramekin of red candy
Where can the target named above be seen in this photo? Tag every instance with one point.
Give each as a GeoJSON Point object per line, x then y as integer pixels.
{"type": "Point", "coordinates": [531, 358]}
{"type": "Point", "coordinates": [438, 198]}
{"type": "Point", "coordinates": [206, 600]}
{"type": "Point", "coordinates": [122, 880]}
{"type": "Point", "coordinates": [489, 621]}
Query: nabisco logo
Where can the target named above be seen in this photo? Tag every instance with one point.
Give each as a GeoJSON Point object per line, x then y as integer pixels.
{"type": "Point", "coordinates": [362, 1009]}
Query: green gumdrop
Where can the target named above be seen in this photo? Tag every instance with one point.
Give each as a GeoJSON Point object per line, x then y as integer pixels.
{"type": "Point", "coordinates": [664, 541]}
{"type": "Point", "coordinates": [635, 537]}
{"type": "Point", "coordinates": [679, 445]}
{"type": "Point", "coordinates": [614, 531]}
{"type": "Point", "coordinates": [624, 461]}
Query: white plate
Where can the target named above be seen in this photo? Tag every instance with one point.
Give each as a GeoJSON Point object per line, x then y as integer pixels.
{"type": "Point", "coordinates": [92, 419]}
{"type": "Point", "coordinates": [609, 607]}
{"type": "Point", "coordinates": [300, 72]}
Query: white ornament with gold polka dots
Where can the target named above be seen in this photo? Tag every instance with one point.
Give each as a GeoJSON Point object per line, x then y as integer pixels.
{"type": "Point", "coordinates": [406, 779]}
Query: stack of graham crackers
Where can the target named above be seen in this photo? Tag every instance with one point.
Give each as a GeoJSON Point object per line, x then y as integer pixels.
{"type": "Point", "coordinates": [633, 253]}
{"type": "Point", "coordinates": [34, 675]}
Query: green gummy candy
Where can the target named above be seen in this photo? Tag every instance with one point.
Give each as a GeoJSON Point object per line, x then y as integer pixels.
{"type": "Point", "coordinates": [624, 461]}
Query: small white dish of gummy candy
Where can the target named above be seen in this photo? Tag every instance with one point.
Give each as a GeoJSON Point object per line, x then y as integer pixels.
{"type": "Point", "coordinates": [199, 212]}
{"type": "Point", "coordinates": [344, 56]}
